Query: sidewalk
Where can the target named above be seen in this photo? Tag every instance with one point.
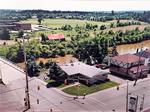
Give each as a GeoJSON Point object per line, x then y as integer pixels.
{"type": "Point", "coordinates": [75, 84]}
{"type": "Point", "coordinates": [117, 79]}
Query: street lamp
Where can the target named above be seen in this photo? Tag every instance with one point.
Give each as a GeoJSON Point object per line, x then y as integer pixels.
{"type": "Point", "coordinates": [27, 98]}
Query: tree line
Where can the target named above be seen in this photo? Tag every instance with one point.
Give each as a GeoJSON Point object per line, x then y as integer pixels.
{"type": "Point", "coordinates": [93, 16]}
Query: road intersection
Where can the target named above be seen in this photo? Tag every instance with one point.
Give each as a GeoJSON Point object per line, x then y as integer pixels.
{"type": "Point", "coordinates": [12, 96]}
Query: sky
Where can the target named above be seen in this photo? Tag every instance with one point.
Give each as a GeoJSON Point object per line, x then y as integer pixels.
{"type": "Point", "coordinates": [77, 5]}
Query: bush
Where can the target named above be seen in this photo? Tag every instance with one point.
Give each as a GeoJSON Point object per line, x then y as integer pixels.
{"type": "Point", "coordinates": [41, 64]}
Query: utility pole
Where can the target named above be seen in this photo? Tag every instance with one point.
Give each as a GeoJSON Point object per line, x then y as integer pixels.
{"type": "Point", "coordinates": [27, 98]}
{"type": "Point", "coordinates": [127, 97]}
{"type": "Point", "coordinates": [142, 103]}
{"type": "Point", "coordinates": [1, 80]}
{"type": "Point", "coordinates": [138, 74]}
{"type": "Point", "coordinates": [78, 88]}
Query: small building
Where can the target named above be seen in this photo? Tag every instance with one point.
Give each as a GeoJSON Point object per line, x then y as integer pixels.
{"type": "Point", "coordinates": [14, 25]}
{"type": "Point", "coordinates": [129, 66]}
{"type": "Point", "coordinates": [146, 55]}
{"type": "Point", "coordinates": [85, 73]}
{"type": "Point", "coordinates": [56, 37]}
{"type": "Point", "coordinates": [23, 26]}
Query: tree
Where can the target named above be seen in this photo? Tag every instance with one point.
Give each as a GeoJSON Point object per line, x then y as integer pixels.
{"type": "Point", "coordinates": [112, 25]}
{"type": "Point", "coordinates": [4, 34]}
{"type": "Point", "coordinates": [32, 68]}
{"type": "Point", "coordinates": [20, 33]}
{"type": "Point", "coordinates": [43, 38]}
{"type": "Point", "coordinates": [40, 18]}
{"type": "Point", "coordinates": [56, 73]}
{"type": "Point", "coordinates": [66, 27]}
{"type": "Point", "coordinates": [112, 13]}
{"type": "Point", "coordinates": [114, 51]}
{"type": "Point", "coordinates": [20, 55]}
{"type": "Point", "coordinates": [102, 27]}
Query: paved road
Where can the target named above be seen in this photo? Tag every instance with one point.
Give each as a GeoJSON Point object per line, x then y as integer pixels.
{"type": "Point", "coordinates": [12, 97]}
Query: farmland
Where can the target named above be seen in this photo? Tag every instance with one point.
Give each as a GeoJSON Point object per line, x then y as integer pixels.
{"type": "Point", "coordinates": [57, 23]}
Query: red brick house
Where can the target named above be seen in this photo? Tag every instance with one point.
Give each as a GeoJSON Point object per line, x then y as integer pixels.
{"type": "Point", "coordinates": [129, 65]}
{"type": "Point", "coordinates": [56, 37]}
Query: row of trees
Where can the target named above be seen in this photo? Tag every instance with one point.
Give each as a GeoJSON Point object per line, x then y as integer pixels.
{"type": "Point", "coordinates": [93, 16]}
{"type": "Point", "coordinates": [89, 26]}
{"type": "Point", "coordinates": [121, 24]}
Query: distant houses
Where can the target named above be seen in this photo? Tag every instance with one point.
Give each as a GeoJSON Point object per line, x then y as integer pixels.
{"type": "Point", "coordinates": [129, 65]}
{"type": "Point", "coordinates": [56, 37]}
{"type": "Point", "coordinates": [84, 73]}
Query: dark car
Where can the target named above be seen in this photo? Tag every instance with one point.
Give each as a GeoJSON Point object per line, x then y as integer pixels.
{"type": "Point", "coordinates": [102, 66]}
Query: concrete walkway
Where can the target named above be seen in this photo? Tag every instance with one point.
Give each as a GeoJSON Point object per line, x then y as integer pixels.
{"type": "Point", "coordinates": [75, 84]}
{"type": "Point", "coordinates": [117, 79]}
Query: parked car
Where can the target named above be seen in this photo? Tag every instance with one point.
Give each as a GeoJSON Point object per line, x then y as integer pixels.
{"type": "Point", "coordinates": [102, 66]}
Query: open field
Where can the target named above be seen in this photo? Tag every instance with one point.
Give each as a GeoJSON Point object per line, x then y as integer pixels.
{"type": "Point", "coordinates": [132, 27]}
{"type": "Point", "coordinates": [61, 60]}
{"type": "Point", "coordinates": [123, 21]}
{"type": "Point", "coordinates": [8, 42]}
{"type": "Point", "coordinates": [57, 23]}
{"type": "Point", "coordinates": [88, 90]}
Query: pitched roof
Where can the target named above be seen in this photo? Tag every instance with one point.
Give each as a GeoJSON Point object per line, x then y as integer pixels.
{"type": "Point", "coordinates": [56, 36]}
{"type": "Point", "coordinates": [84, 69]}
{"type": "Point", "coordinates": [127, 58]}
{"type": "Point", "coordinates": [145, 53]}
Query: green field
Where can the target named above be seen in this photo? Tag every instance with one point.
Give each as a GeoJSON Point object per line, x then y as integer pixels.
{"type": "Point", "coordinates": [88, 90]}
{"type": "Point", "coordinates": [57, 23]}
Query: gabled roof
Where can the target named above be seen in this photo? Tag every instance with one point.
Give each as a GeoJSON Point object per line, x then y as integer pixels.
{"type": "Point", "coordinates": [81, 68]}
{"type": "Point", "coordinates": [56, 36]}
{"type": "Point", "coordinates": [145, 53]}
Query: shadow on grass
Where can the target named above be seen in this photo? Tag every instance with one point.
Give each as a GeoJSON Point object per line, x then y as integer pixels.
{"type": "Point", "coordinates": [54, 84]}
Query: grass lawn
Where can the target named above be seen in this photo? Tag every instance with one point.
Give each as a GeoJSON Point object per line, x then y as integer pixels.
{"type": "Point", "coordinates": [57, 23]}
{"type": "Point", "coordinates": [88, 90]}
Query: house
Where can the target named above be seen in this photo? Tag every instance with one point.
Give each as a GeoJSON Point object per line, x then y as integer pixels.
{"type": "Point", "coordinates": [129, 66]}
{"type": "Point", "coordinates": [146, 55]}
{"type": "Point", "coordinates": [85, 73]}
{"type": "Point", "coordinates": [56, 37]}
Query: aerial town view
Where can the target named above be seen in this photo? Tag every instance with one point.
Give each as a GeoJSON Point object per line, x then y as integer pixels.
{"type": "Point", "coordinates": [74, 56]}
